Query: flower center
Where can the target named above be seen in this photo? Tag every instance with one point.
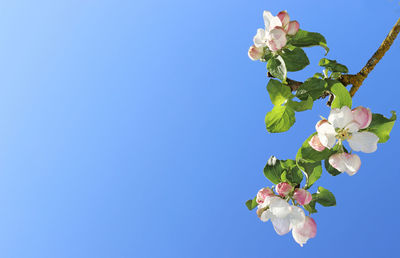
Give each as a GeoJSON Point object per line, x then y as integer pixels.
{"type": "Point", "coordinates": [343, 134]}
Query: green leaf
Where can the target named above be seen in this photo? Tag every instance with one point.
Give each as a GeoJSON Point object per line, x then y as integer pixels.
{"type": "Point", "coordinates": [267, 55]}
{"type": "Point", "coordinates": [273, 170]}
{"type": "Point", "coordinates": [306, 154]}
{"type": "Point", "coordinates": [311, 206]}
{"type": "Point", "coordinates": [313, 172]}
{"type": "Point", "coordinates": [295, 60]}
{"type": "Point", "coordinates": [280, 119]}
{"type": "Point", "coordinates": [382, 126]}
{"type": "Point", "coordinates": [301, 106]}
{"type": "Point", "coordinates": [333, 66]}
{"type": "Point", "coordinates": [331, 170]}
{"type": "Point", "coordinates": [342, 96]}
{"type": "Point", "coordinates": [276, 66]}
{"type": "Point", "coordinates": [278, 92]}
{"type": "Point", "coordinates": [293, 176]}
{"type": "Point", "coordinates": [325, 197]}
{"type": "Point", "coordinates": [251, 204]}
{"type": "Point", "coordinates": [309, 39]}
{"type": "Point", "coordinates": [313, 87]}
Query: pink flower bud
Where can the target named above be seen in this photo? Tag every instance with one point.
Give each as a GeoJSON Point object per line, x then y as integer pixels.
{"type": "Point", "coordinates": [283, 189]}
{"type": "Point", "coordinates": [316, 144]}
{"type": "Point", "coordinates": [362, 116]}
{"type": "Point", "coordinates": [345, 162]}
{"type": "Point", "coordinates": [263, 193]}
{"type": "Point", "coordinates": [284, 17]}
{"type": "Point", "coordinates": [303, 197]}
{"type": "Point", "coordinates": [293, 28]}
{"type": "Point", "coordinates": [305, 231]}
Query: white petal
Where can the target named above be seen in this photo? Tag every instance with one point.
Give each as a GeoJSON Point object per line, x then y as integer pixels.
{"type": "Point", "coordinates": [281, 225]}
{"type": "Point", "coordinates": [327, 135]}
{"type": "Point", "coordinates": [267, 19]}
{"type": "Point", "coordinates": [339, 118]}
{"type": "Point", "coordinates": [353, 127]}
{"type": "Point", "coordinates": [364, 141]}
{"type": "Point", "coordinates": [345, 162]}
{"type": "Point", "coordinates": [266, 215]}
{"type": "Point", "coordinates": [297, 216]}
{"type": "Point", "coordinates": [277, 39]}
{"type": "Point", "coordinates": [303, 232]}
{"type": "Point", "coordinates": [260, 39]}
{"type": "Point", "coordinates": [279, 207]}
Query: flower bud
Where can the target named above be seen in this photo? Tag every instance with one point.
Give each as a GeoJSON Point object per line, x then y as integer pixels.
{"type": "Point", "coordinates": [362, 116]}
{"type": "Point", "coordinates": [305, 231]}
{"type": "Point", "coordinates": [303, 197]}
{"type": "Point", "coordinates": [316, 144]}
{"type": "Point", "coordinates": [263, 193]}
{"type": "Point", "coordinates": [293, 28]}
{"type": "Point", "coordinates": [345, 162]}
{"type": "Point", "coordinates": [284, 17]}
{"type": "Point", "coordinates": [255, 53]}
{"type": "Point", "coordinates": [283, 189]}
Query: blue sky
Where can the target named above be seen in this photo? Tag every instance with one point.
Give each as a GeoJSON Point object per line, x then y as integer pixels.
{"type": "Point", "coordinates": [136, 129]}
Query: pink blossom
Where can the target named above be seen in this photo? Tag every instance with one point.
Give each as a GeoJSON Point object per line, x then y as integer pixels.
{"type": "Point", "coordinates": [362, 116]}
{"type": "Point", "coordinates": [283, 189]}
{"type": "Point", "coordinates": [316, 144]}
{"type": "Point", "coordinates": [302, 196]}
{"type": "Point", "coordinates": [301, 233]}
{"type": "Point", "coordinates": [263, 193]}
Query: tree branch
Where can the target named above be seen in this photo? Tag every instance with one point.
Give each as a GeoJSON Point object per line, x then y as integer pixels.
{"type": "Point", "coordinates": [370, 65]}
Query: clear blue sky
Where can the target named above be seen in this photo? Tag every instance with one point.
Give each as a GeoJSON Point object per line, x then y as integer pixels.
{"type": "Point", "coordinates": [136, 129]}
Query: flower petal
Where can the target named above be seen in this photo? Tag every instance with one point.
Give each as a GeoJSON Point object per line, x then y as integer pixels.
{"type": "Point", "coordinates": [284, 17]}
{"type": "Point", "coordinates": [281, 225]}
{"type": "Point", "coordinates": [260, 38]}
{"type": "Point", "coordinates": [364, 141]}
{"type": "Point", "coordinates": [307, 230]}
{"type": "Point", "coordinates": [279, 207]}
{"type": "Point", "coordinates": [271, 21]}
{"type": "Point", "coordinates": [297, 216]}
{"type": "Point", "coordinates": [340, 117]}
{"type": "Point", "coordinates": [293, 27]}
{"type": "Point", "coordinates": [255, 53]}
{"type": "Point", "coordinates": [266, 215]}
{"type": "Point", "coordinates": [316, 144]}
{"type": "Point", "coordinates": [362, 116]}
{"type": "Point", "coordinates": [326, 135]}
{"type": "Point", "coordinates": [345, 162]}
{"type": "Point", "coordinates": [277, 38]}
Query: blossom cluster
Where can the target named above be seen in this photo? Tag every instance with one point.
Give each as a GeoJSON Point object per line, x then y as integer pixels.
{"type": "Point", "coordinates": [345, 124]}
{"type": "Point", "coordinates": [286, 217]}
{"type": "Point", "coordinates": [274, 36]}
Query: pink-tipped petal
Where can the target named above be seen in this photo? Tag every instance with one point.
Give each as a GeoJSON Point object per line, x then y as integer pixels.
{"type": "Point", "coordinates": [263, 193]}
{"type": "Point", "coordinates": [284, 17]}
{"type": "Point", "coordinates": [307, 230]}
{"type": "Point", "coordinates": [283, 189]}
{"type": "Point", "coordinates": [293, 28]}
{"type": "Point", "coordinates": [277, 39]}
{"type": "Point", "coordinates": [303, 197]}
{"type": "Point", "coordinates": [362, 116]}
{"type": "Point", "coordinates": [345, 162]}
{"type": "Point", "coordinates": [255, 53]}
{"type": "Point", "coordinates": [316, 144]}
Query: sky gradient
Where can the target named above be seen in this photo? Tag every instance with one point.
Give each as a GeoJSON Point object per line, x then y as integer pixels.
{"type": "Point", "coordinates": [136, 129]}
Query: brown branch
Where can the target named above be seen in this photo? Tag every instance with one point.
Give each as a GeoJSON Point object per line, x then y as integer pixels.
{"type": "Point", "coordinates": [357, 79]}
{"type": "Point", "coordinates": [370, 65]}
